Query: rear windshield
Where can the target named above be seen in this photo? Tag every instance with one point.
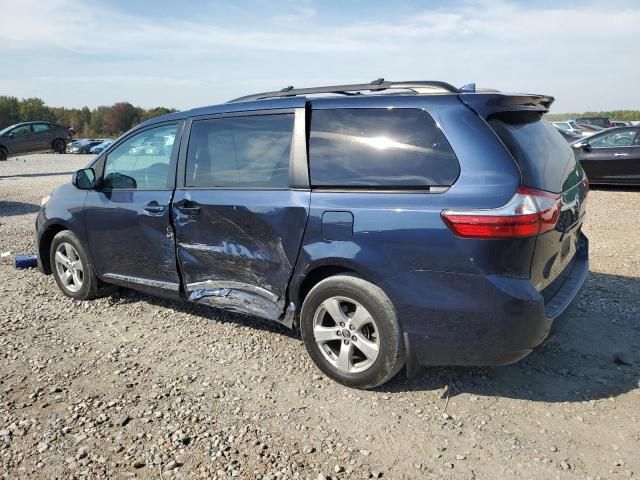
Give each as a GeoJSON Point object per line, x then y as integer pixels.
{"type": "Point", "coordinates": [379, 148]}
{"type": "Point", "coordinates": [545, 159]}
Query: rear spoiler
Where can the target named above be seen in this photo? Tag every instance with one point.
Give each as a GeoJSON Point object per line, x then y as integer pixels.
{"type": "Point", "coordinates": [487, 104]}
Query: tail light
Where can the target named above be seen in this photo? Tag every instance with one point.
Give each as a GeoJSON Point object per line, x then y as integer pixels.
{"type": "Point", "coordinates": [529, 213]}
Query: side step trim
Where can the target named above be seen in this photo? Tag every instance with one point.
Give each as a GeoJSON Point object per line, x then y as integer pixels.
{"type": "Point", "coordinates": [147, 282]}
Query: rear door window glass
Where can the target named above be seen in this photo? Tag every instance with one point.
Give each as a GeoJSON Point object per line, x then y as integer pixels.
{"type": "Point", "coordinates": [240, 152]}
{"type": "Point", "coordinates": [40, 127]}
{"type": "Point", "coordinates": [379, 148]}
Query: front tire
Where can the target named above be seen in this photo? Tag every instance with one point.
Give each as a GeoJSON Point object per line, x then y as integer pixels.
{"type": "Point", "coordinates": [350, 329]}
{"type": "Point", "coordinates": [4, 154]}
{"type": "Point", "coordinates": [71, 267]}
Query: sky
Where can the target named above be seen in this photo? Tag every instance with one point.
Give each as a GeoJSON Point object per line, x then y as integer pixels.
{"type": "Point", "coordinates": [193, 53]}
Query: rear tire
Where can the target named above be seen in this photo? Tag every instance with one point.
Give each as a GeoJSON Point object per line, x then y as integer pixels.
{"type": "Point", "coordinates": [58, 145]}
{"type": "Point", "coordinates": [350, 329]}
{"type": "Point", "coordinates": [71, 267]}
{"type": "Point", "coordinates": [4, 154]}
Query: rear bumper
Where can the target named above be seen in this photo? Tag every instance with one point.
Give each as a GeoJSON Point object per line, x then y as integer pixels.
{"type": "Point", "coordinates": [480, 320]}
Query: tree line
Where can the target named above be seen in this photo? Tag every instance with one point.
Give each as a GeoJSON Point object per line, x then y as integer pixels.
{"type": "Point", "coordinates": [104, 121]}
{"type": "Point", "coordinates": [624, 115]}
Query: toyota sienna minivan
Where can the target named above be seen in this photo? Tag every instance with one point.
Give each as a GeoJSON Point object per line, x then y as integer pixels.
{"type": "Point", "coordinates": [392, 223]}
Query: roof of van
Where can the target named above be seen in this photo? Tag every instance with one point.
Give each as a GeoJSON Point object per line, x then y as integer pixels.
{"type": "Point", "coordinates": [290, 97]}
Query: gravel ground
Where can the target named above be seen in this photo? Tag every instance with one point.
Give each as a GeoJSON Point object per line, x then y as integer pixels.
{"type": "Point", "coordinates": [132, 386]}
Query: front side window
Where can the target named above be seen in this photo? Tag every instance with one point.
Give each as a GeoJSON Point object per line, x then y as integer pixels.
{"type": "Point", "coordinates": [563, 126]}
{"type": "Point", "coordinates": [623, 138]}
{"type": "Point", "coordinates": [40, 127]}
{"type": "Point", "coordinates": [237, 152]}
{"type": "Point", "coordinates": [379, 148]}
{"type": "Point", "coordinates": [142, 161]}
{"type": "Point", "coordinates": [23, 130]}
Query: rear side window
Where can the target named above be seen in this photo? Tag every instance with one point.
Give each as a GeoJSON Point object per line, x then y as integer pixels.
{"type": "Point", "coordinates": [544, 157]}
{"type": "Point", "coordinates": [40, 127]}
{"type": "Point", "coordinates": [248, 151]}
{"type": "Point", "coordinates": [379, 148]}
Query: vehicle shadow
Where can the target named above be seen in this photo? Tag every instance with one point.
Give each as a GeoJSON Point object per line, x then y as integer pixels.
{"type": "Point", "coordinates": [125, 295]}
{"type": "Point", "coordinates": [9, 209]}
{"type": "Point", "coordinates": [594, 355]}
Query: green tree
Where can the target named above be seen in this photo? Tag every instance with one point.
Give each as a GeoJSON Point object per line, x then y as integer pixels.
{"type": "Point", "coordinates": [120, 117]}
{"type": "Point", "coordinates": [34, 109]}
{"type": "Point", "coordinates": [99, 122]}
{"type": "Point", "coordinates": [9, 111]}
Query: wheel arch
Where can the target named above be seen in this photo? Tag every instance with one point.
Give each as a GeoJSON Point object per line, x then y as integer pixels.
{"type": "Point", "coordinates": [44, 245]}
{"type": "Point", "coordinates": [315, 273]}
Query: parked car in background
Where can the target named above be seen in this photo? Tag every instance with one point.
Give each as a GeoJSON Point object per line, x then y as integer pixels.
{"type": "Point", "coordinates": [29, 137]}
{"type": "Point", "coordinates": [101, 146]}
{"type": "Point", "coordinates": [588, 130]}
{"type": "Point", "coordinates": [335, 215]}
{"type": "Point", "coordinates": [568, 126]}
{"type": "Point", "coordinates": [83, 146]}
{"type": "Point", "coordinates": [620, 123]}
{"type": "Point", "coordinates": [602, 122]}
{"type": "Point", "coordinates": [569, 136]}
{"type": "Point", "coordinates": [611, 156]}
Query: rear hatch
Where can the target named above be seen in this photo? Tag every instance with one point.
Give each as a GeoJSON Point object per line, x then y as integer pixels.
{"type": "Point", "coordinates": [546, 163]}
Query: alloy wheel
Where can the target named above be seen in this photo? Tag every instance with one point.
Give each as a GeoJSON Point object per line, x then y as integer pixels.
{"type": "Point", "coordinates": [346, 334]}
{"type": "Point", "coordinates": [69, 267]}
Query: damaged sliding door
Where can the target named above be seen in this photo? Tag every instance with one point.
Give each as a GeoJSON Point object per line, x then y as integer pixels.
{"type": "Point", "coordinates": [240, 209]}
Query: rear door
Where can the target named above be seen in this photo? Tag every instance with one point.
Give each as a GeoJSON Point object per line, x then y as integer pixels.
{"type": "Point", "coordinates": [546, 163]}
{"type": "Point", "coordinates": [41, 136]}
{"type": "Point", "coordinates": [241, 207]}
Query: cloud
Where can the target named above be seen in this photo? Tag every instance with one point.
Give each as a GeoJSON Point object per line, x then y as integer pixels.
{"type": "Point", "coordinates": [570, 50]}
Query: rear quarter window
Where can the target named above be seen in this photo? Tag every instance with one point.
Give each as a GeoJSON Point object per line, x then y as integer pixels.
{"type": "Point", "coordinates": [379, 148]}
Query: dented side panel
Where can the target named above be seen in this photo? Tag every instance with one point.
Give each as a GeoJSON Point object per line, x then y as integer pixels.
{"type": "Point", "coordinates": [239, 250]}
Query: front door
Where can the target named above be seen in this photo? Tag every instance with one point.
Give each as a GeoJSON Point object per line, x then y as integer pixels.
{"type": "Point", "coordinates": [128, 216]}
{"type": "Point", "coordinates": [19, 139]}
{"type": "Point", "coordinates": [612, 157]}
{"type": "Point", "coordinates": [238, 215]}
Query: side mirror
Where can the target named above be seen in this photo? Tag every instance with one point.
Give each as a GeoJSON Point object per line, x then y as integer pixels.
{"type": "Point", "coordinates": [84, 179]}
{"type": "Point", "coordinates": [11, 135]}
{"type": "Point", "coordinates": [586, 147]}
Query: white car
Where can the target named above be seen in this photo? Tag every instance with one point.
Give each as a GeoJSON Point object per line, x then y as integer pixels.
{"type": "Point", "coordinates": [569, 126]}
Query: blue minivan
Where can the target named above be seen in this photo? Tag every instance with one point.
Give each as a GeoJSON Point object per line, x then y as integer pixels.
{"type": "Point", "coordinates": [392, 223]}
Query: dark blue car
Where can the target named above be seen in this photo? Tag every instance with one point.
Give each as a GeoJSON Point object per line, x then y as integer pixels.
{"type": "Point", "coordinates": [393, 224]}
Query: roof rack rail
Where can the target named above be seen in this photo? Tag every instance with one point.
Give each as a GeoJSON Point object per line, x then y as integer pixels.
{"type": "Point", "coordinates": [422, 86]}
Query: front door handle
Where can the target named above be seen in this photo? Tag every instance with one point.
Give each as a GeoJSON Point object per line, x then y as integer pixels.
{"type": "Point", "coordinates": [620, 154]}
{"type": "Point", "coordinates": [154, 207]}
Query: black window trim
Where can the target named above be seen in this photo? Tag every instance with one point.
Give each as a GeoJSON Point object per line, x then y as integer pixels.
{"type": "Point", "coordinates": [298, 165]}
{"type": "Point", "coordinates": [395, 189]}
{"type": "Point", "coordinates": [98, 164]}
